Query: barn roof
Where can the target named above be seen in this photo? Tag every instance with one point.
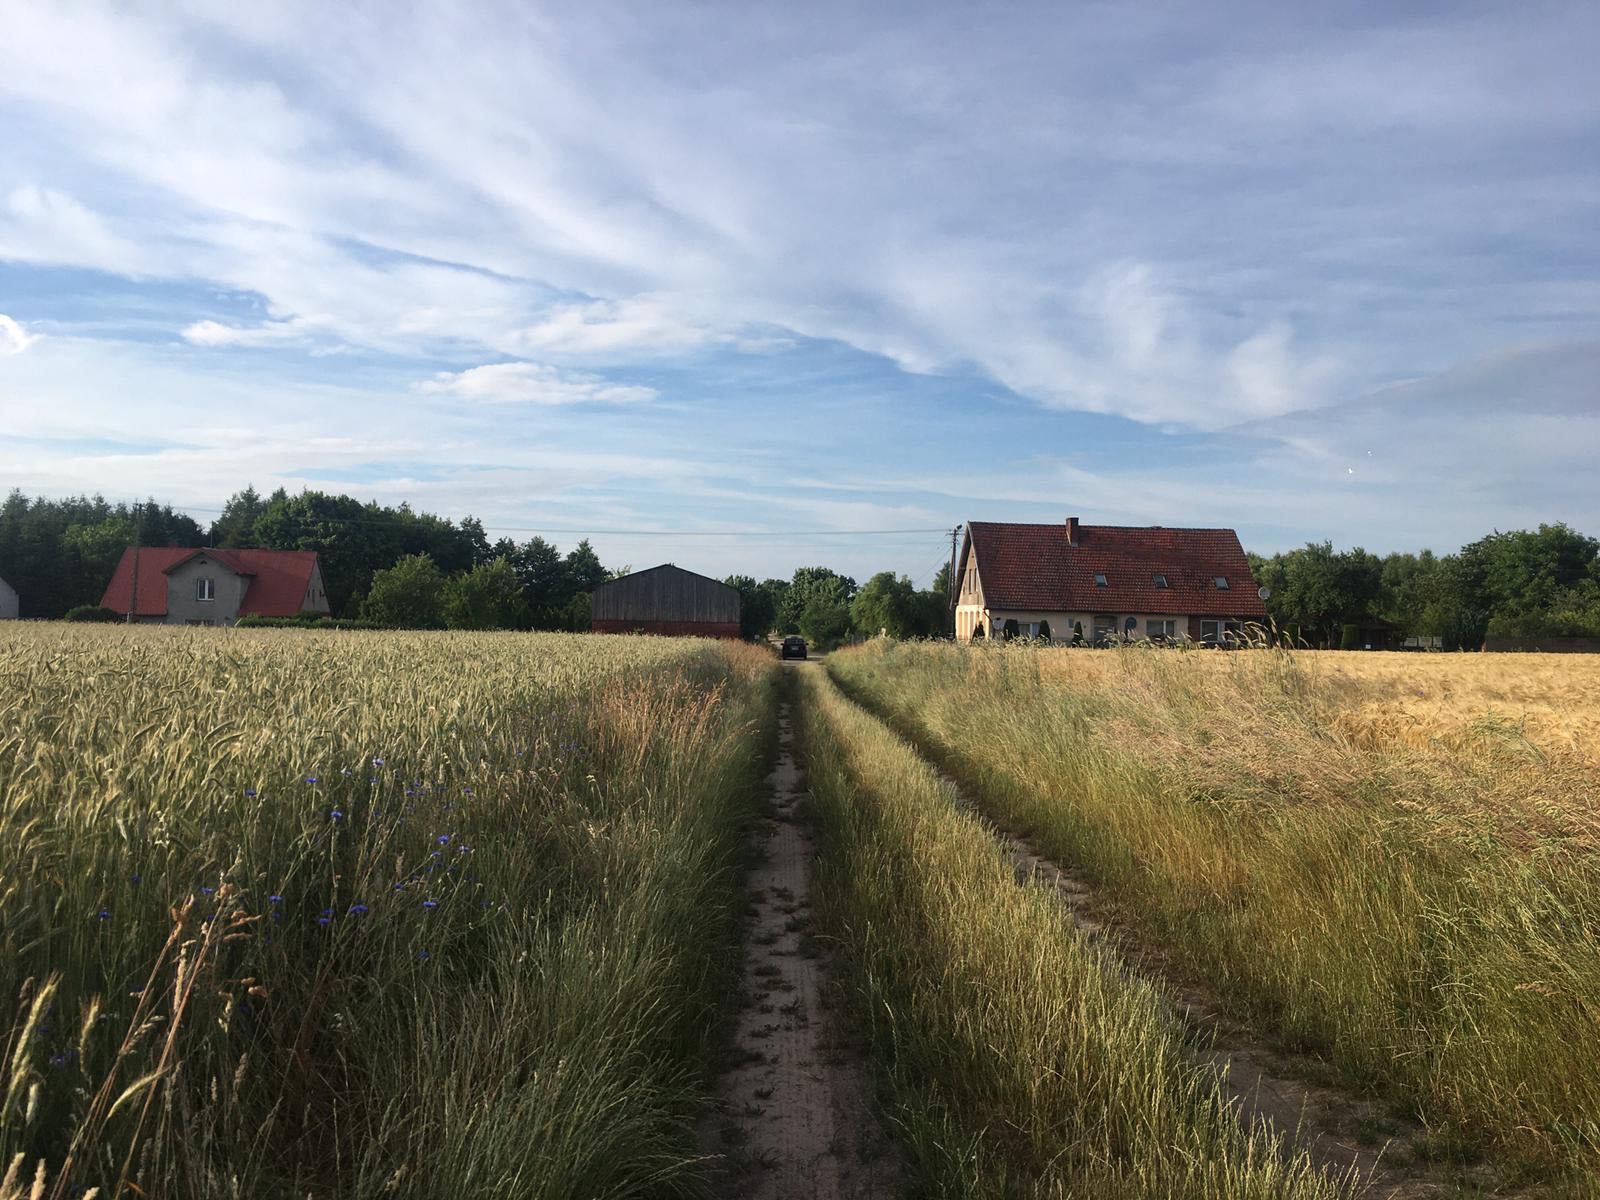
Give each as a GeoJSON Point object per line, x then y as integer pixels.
{"type": "Point", "coordinates": [278, 578]}
{"type": "Point", "coordinates": [667, 567]}
{"type": "Point", "coordinates": [1053, 568]}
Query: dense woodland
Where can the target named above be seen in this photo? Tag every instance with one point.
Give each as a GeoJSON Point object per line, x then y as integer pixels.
{"type": "Point", "coordinates": [397, 567]}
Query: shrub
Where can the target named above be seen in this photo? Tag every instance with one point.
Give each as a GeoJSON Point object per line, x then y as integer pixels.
{"type": "Point", "coordinates": [93, 612]}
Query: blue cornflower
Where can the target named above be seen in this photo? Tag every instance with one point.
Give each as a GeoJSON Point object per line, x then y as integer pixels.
{"type": "Point", "coordinates": [358, 909]}
{"type": "Point", "coordinates": [336, 815]}
{"type": "Point", "coordinates": [443, 839]}
{"type": "Point", "coordinates": [467, 790]}
{"type": "Point", "coordinates": [206, 891]}
{"type": "Point", "coordinates": [324, 920]}
{"type": "Point", "coordinates": [424, 955]}
{"type": "Point", "coordinates": [401, 886]}
{"type": "Point", "coordinates": [136, 879]}
{"type": "Point", "coordinates": [311, 779]}
{"type": "Point", "coordinates": [250, 793]}
{"type": "Point", "coordinates": [377, 762]}
{"type": "Point", "coordinates": [430, 904]}
{"type": "Point", "coordinates": [274, 899]}
{"type": "Point", "coordinates": [105, 914]}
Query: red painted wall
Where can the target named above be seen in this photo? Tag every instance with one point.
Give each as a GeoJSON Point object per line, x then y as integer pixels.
{"type": "Point", "coordinates": [716, 629]}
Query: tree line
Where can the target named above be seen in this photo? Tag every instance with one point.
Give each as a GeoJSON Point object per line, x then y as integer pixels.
{"type": "Point", "coordinates": [1525, 583]}
{"type": "Point", "coordinates": [387, 564]}
{"type": "Point", "coordinates": [828, 608]}
{"type": "Point", "coordinates": [395, 566]}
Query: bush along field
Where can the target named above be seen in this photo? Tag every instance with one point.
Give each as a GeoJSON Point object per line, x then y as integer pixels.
{"type": "Point", "coordinates": [1426, 917]}
{"type": "Point", "coordinates": [1024, 1061]}
{"type": "Point", "coordinates": [311, 914]}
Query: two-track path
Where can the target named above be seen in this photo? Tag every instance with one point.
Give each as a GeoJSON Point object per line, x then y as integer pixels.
{"type": "Point", "coordinates": [795, 1112]}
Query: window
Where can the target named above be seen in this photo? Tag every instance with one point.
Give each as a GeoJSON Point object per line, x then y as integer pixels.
{"type": "Point", "coordinates": [205, 588]}
{"type": "Point", "coordinates": [1222, 583]}
{"type": "Point", "coordinates": [1161, 629]}
{"type": "Point", "coordinates": [1105, 629]}
{"type": "Point", "coordinates": [1208, 631]}
{"type": "Point", "coordinates": [1100, 579]}
{"type": "Point", "coordinates": [1160, 580]}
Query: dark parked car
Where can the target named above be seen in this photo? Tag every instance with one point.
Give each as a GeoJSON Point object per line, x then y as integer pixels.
{"type": "Point", "coordinates": [794, 647]}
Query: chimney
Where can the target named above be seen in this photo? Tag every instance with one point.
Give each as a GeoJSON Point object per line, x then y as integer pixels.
{"type": "Point", "coordinates": [1072, 531]}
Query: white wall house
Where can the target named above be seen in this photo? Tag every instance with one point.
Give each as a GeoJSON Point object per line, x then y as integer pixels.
{"type": "Point", "coordinates": [1111, 582]}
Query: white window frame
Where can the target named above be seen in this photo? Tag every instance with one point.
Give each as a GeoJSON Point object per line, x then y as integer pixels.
{"type": "Point", "coordinates": [205, 589]}
{"type": "Point", "coordinates": [1164, 627]}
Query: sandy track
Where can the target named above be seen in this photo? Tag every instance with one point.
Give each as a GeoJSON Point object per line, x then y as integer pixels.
{"type": "Point", "coordinates": [795, 1113]}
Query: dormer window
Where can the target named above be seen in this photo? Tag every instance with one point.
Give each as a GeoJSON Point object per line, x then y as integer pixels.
{"type": "Point", "coordinates": [1160, 581]}
{"type": "Point", "coordinates": [1222, 583]}
{"type": "Point", "coordinates": [205, 588]}
{"type": "Point", "coordinates": [1100, 579]}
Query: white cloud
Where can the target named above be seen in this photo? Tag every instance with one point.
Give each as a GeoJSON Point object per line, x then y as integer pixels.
{"type": "Point", "coordinates": [639, 325]}
{"type": "Point", "coordinates": [14, 339]}
{"type": "Point", "coordinates": [214, 333]}
{"type": "Point", "coordinates": [533, 383]}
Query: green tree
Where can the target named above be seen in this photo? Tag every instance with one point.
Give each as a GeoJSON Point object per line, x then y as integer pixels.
{"type": "Point", "coordinates": [236, 527]}
{"type": "Point", "coordinates": [888, 603]}
{"type": "Point", "coordinates": [544, 579]}
{"type": "Point", "coordinates": [486, 597]}
{"type": "Point", "coordinates": [757, 611]}
{"type": "Point", "coordinates": [408, 595]}
{"type": "Point", "coordinates": [824, 623]}
{"type": "Point", "coordinates": [815, 586]}
{"type": "Point", "coordinates": [583, 570]}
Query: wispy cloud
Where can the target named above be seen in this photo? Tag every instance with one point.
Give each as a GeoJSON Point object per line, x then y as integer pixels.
{"type": "Point", "coordinates": [533, 383]}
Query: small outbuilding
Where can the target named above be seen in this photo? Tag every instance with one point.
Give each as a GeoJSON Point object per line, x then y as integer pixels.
{"type": "Point", "coordinates": [10, 606]}
{"type": "Point", "coordinates": [666, 600]}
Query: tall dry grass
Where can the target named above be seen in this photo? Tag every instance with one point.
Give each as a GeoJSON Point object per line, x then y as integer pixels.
{"type": "Point", "coordinates": [1026, 1062]}
{"type": "Point", "coordinates": [309, 914]}
{"type": "Point", "coordinates": [1425, 916]}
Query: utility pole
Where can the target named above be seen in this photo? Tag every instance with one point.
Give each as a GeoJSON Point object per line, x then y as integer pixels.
{"type": "Point", "coordinates": [133, 598]}
{"type": "Point", "coordinates": [954, 587]}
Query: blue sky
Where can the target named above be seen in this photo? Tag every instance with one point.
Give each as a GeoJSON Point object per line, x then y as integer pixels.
{"type": "Point", "coordinates": [738, 271]}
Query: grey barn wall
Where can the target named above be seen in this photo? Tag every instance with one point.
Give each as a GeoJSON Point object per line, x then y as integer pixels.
{"type": "Point", "coordinates": [665, 594]}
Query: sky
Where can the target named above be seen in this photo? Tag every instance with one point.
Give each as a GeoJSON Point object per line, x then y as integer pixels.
{"type": "Point", "coordinates": [753, 286]}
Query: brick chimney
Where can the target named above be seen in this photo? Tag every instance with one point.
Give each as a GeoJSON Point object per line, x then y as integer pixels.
{"type": "Point", "coordinates": [1072, 531]}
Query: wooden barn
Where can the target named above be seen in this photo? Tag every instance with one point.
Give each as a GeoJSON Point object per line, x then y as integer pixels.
{"type": "Point", "coordinates": [666, 600]}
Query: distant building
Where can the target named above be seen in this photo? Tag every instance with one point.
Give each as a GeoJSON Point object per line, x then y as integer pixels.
{"type": "Point", "coordinates": [180, 586]}
{"type": "Point", "coordinates": [1117, 582]}
{"type": "Point", "coordinates": [666, 600]}
{"type": "Point", "coordinates": [10, 606]}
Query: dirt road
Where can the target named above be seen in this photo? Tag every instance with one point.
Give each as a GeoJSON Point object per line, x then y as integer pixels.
{"type": "Point", "coordinates": [796, 1116]}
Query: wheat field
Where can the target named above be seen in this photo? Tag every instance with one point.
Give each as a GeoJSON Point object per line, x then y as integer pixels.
{"type": "Point", "coordinates": [322, 914]}
{"type": "Point", "coordinates": [1388, 860]}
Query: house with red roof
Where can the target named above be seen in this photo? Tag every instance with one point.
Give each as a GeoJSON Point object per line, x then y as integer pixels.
{"type": "Point", "coordinates": [172, 585]}
{"type": "Point", "coordinates": [1111, 582]}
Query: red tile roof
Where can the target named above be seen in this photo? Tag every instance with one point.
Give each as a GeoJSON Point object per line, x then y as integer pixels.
{"type": "Point", "coordinates": [1035, 568]}
{"type": "Point", "coordinates": [279, 579]}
